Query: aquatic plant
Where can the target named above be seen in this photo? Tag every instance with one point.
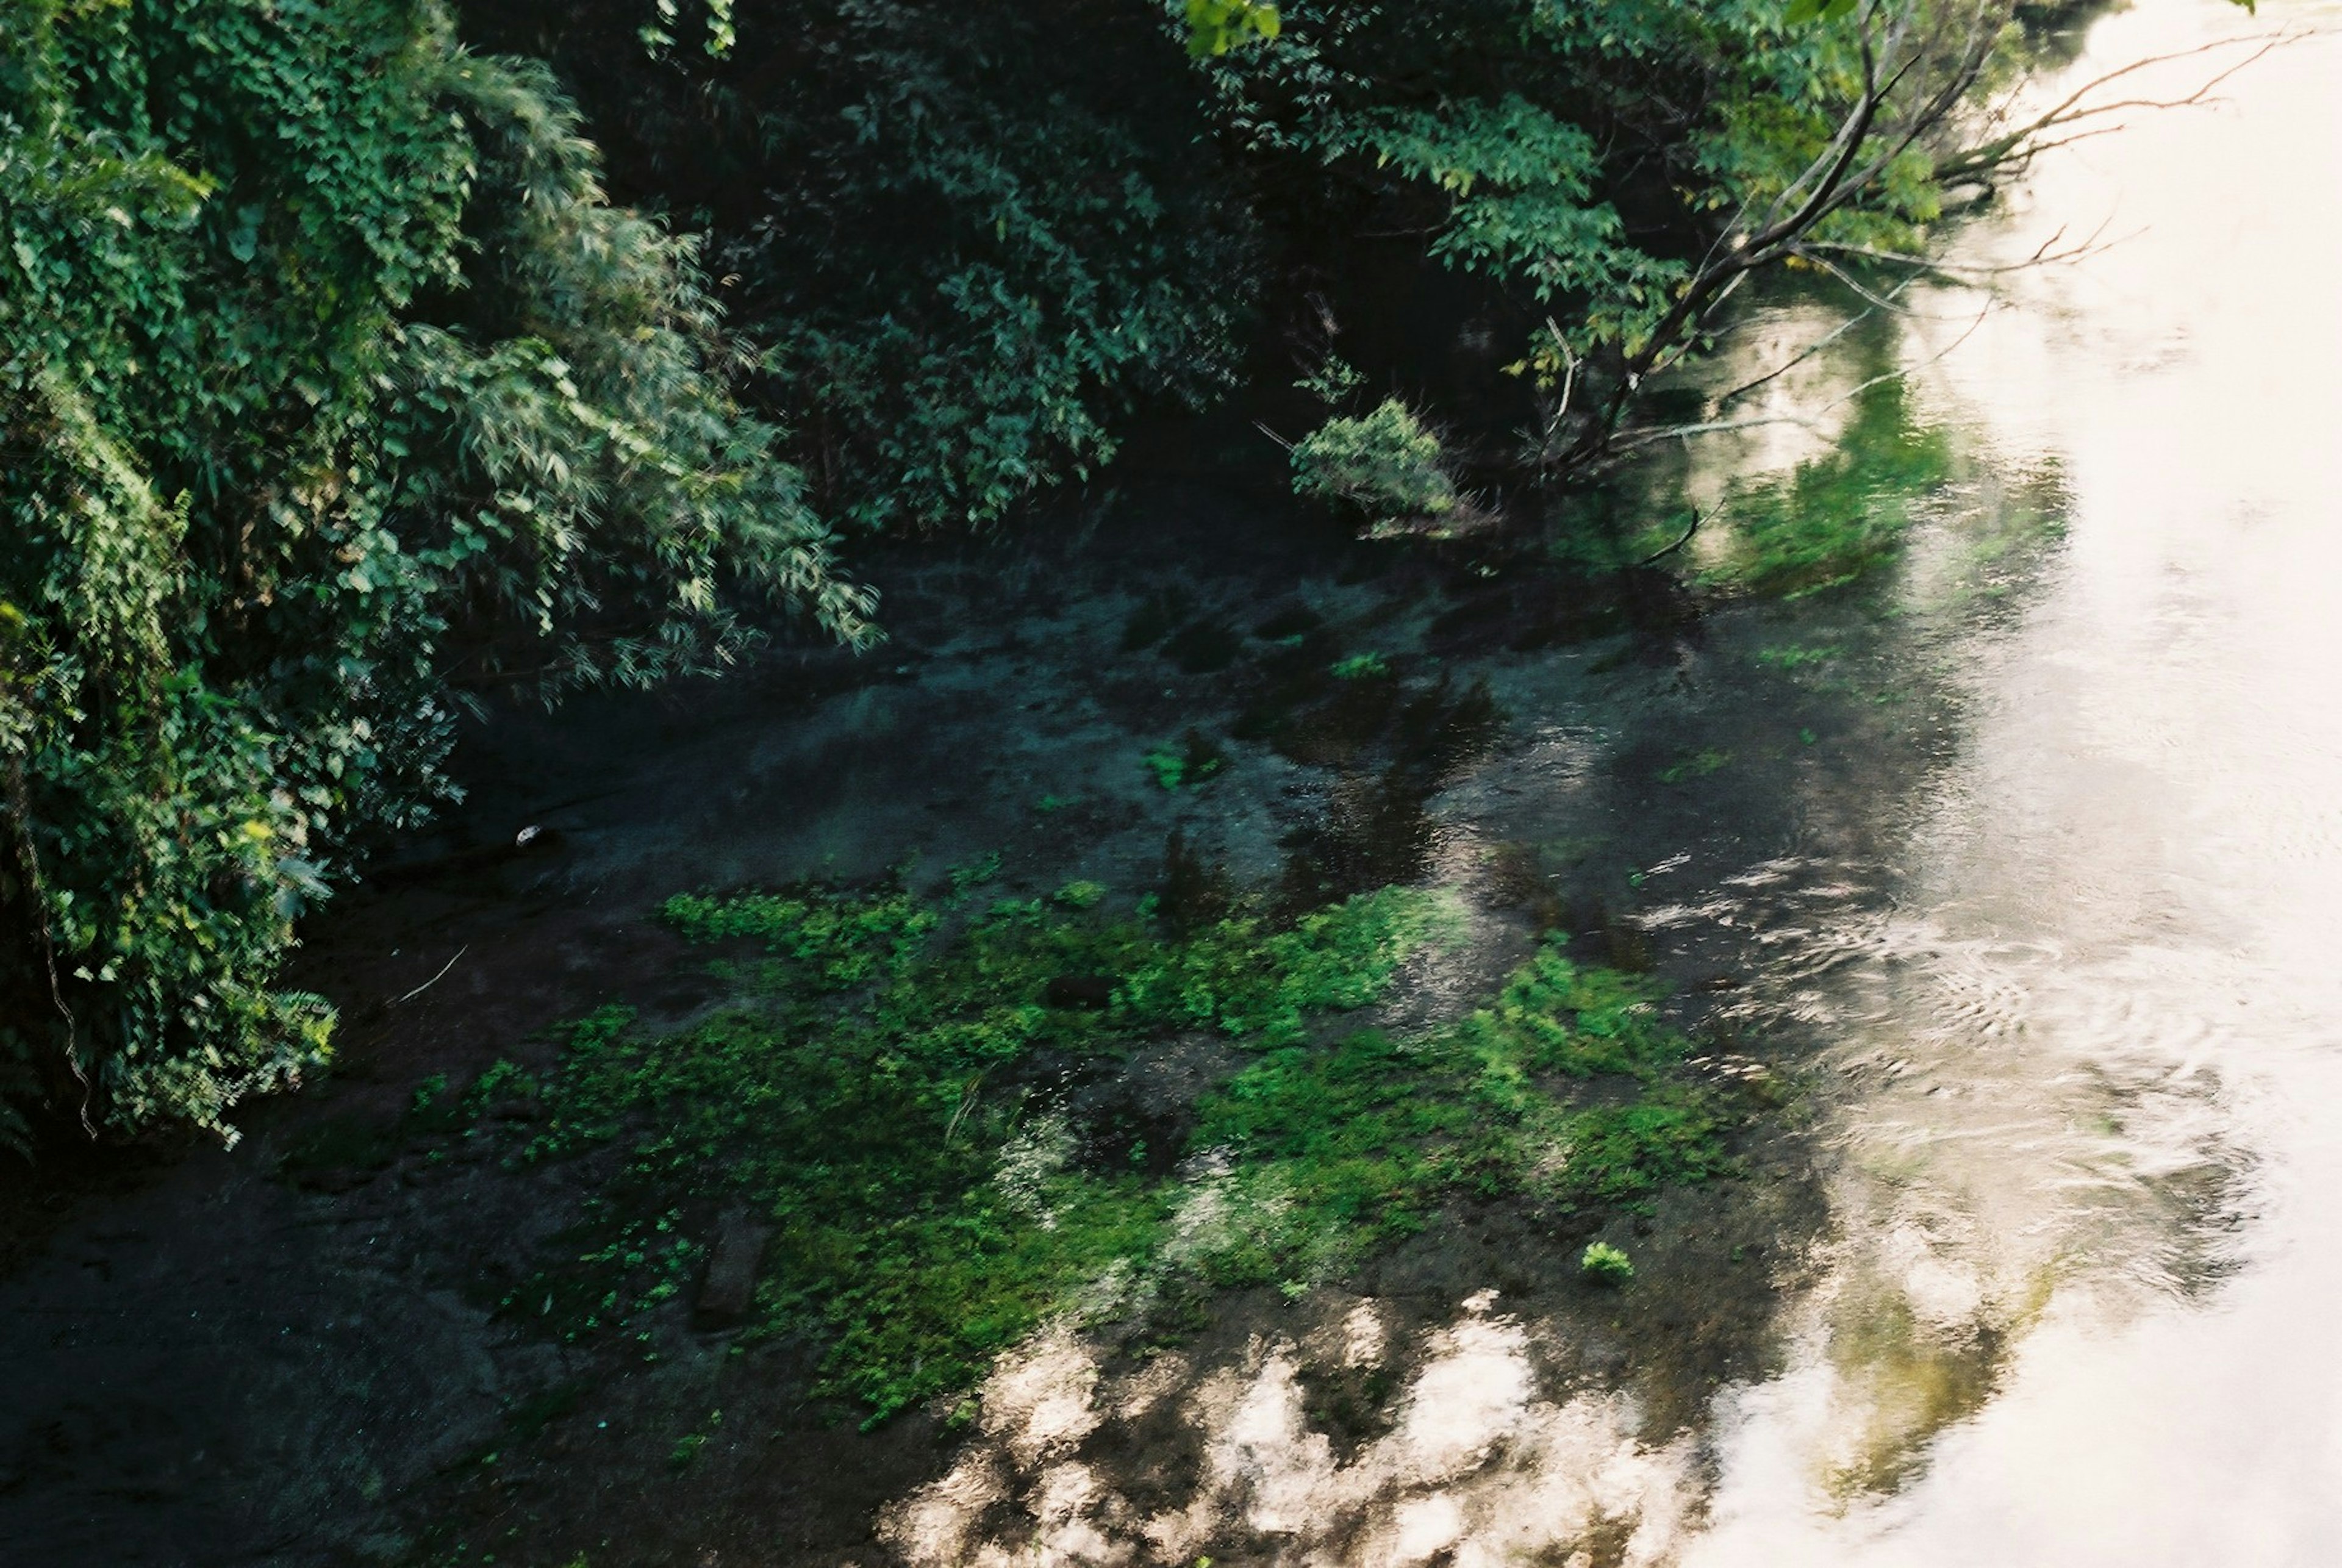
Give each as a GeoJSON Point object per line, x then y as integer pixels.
{"type": "Point", "coordinates": [1080, 895]}
{"type": "Point", "coordinates": [1696, 764]}
{"type": "Point", "coordinates": [888, 1091]}
{"type": "Point", "coordinates": [1197, 760]}
{"type": "Point", "coordinates": [1834, 516]}
{"type": "Point", "coordinates": [1604, 1264]}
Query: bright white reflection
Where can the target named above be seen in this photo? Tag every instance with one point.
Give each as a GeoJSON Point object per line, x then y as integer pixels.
{"type": "Point", "coordinates": [2111, 1014]}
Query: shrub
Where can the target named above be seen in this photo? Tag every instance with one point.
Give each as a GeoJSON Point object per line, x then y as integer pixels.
{"type": "Point", "coordinates": [1604, 1264]}
{"type": "Point", "coordinates": [972, 247]}
{"type": "Point", "coordinates": [1384, 465]}
{"type": "Point", "coordinates": [328, 380]}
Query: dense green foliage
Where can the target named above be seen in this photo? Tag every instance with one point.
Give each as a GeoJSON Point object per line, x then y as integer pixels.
{"type": "Point", "coordinates": [892, 1092]}
{"type": "Point", "coordinates": [973, 248]}
{"type": "Point", "coordinates": [1383, 464]}
{"type": "Point", "coordinates": [970, 246]}
{"type": "Point", "coordinates": [1605, 1265]}
{"type": "Point", "coordinates": [1608, 174]}
{"type": "Point", "coordinates": [326, 377]}
{"type": "Point", "coordinates": [333, 394]}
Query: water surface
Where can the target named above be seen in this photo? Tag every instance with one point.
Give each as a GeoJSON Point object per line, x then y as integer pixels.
{"type": "Point", "coordinates": [2081, 1305]}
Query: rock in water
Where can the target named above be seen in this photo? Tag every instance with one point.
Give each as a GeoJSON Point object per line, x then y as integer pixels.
{"type": "Point", "coordinates": [730, 1288]}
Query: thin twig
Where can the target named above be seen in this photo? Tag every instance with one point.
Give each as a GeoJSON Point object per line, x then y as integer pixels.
{"type": "Point", "coordinates": [1629, 440]}
{"type": "Point", "coordinates": [2045, 254]}
{"type": "Point", "coordinates": [435, 979]}
{"type": "Point", "coordinates": [967, 1103]}
{"type": "Point", "coordinates": [1822, 263]}
{"type": "Point", "coordinates": [1811, 349]}
{"type": "Point", "coordinates": [1632, 438]}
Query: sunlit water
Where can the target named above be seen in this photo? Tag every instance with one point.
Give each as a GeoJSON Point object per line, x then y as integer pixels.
{"type": "Point", "coordinates": [2078, 999]}
{"type": "Point", "coordinates": [2086, 1289]}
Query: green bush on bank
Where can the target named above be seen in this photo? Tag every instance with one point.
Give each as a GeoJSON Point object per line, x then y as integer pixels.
{"type": "Point", "coordinates": [328, 382]}
{"type": "Point", "coordinates": [972, 246]}
{"type": "Point", "coordinates": [1382, 465]}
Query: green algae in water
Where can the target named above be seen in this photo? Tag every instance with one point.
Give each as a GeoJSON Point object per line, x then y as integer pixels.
{"type": "Point", "coordinates": [1695, 765]}
{"type": "Point", "coordinates": [1197, 761]}
{"type": "Point", "coordinates": [1833, 518]}
{"type": "Point", "coordinates": [887, 1090]}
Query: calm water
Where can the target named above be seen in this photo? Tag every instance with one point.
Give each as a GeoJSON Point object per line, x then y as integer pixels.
{"type": "Point", "coordinates": [2088, 1113]}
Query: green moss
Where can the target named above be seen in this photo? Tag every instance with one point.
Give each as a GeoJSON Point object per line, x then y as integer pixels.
{"type": "Point", "coordinates": [885, 1092]}
{"type": "Point", "coordinates": [1694, 765]}
{"type": "Point", "coordinates": [1796, 658]}
{"type": "Point", "coordinates": [1345, 1146]}
{"type": "Point", "coordinates": [1243, 977]}
{"type": "Point", "coordinates": [1080, 895]}
{"type": "Point", "coordinates": [1197, 760]}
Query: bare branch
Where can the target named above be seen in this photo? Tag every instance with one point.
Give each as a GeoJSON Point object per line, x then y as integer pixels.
{"type": "Point", "coordinates": [1632, 439]}
{"type": "Point", "coordinates": [1657, 556]}
{"type": "Point", "coordinates": [2045, 254]}
{"type": "Point", "coordinates": [437, 978]}
{"type": "Point", "coordinates": [2071, 109]}
{"type": "Point", "coordinates": [1811, 349]}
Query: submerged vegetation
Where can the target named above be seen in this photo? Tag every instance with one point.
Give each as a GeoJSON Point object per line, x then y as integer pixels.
{"type": "Point", "coordinates": [956, 1120]}
{"type": "Point", "coordinates": [1838, 514]}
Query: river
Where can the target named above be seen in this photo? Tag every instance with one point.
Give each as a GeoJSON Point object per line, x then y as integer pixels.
{"type": "Point", "coordinates": [2108, 989]}
{"type": "Point", "coordinates": [2009, 870]}
{"type": "Point", "coordinates": [2055, 897]}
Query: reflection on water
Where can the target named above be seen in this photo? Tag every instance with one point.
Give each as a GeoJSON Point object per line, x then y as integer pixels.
{"type": "Point", "coordinates": [2078, 1308]}
{"type": "Point", "coordinates": [1478, 1468]}
{"type": "Point", "coordinates": [2036, 843]}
